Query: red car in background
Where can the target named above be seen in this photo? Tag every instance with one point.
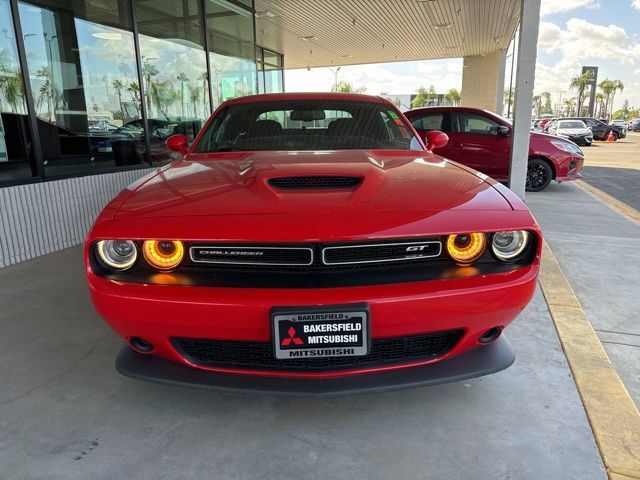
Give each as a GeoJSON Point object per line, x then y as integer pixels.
{"type": "Point", "coordinates": [310, 244]}
{"type": "Point", "coordinates": [482, 140]}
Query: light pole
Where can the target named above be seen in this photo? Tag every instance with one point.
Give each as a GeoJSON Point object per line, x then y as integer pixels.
{"type": "Point", "coordinates": [335, 77]}
{"type": "Point", "coordinates": [49, 40]}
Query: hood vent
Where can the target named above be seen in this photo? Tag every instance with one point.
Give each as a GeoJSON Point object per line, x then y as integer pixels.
{"type": "Point", "coordinates": [318, 182]}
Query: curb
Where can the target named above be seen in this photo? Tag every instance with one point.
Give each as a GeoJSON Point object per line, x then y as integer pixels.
{"type": "Point", "coordinates": [620, 207]}
{"type": "Point", "coordinates": [612, 413]}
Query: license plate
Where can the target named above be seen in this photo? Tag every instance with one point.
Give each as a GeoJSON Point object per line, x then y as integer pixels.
{"type": "Point", "coordinates": [317, 332]}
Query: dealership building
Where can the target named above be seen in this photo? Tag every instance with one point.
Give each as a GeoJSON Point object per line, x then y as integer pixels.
{"type": "Point", "coordinates": [91, 89]}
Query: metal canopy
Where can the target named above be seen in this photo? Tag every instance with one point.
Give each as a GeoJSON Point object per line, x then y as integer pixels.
{"type": "Point", "coordinates": [321, 33]}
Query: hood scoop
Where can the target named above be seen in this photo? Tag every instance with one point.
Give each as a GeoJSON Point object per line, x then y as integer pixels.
{"type": "Point", "coordinates": [315, 182]}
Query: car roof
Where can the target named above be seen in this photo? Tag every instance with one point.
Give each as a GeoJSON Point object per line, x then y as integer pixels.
{"type": "Point", "coordinates": [311, 96]}
{"type": "Point", "coordinates": [449, 109]}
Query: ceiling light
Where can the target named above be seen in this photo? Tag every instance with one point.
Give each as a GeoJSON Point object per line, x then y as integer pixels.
{"type": "Point", "coordinates": [309, 38]}
{"type": "Point", "coordinates": [107, 35]}
{"type": "Point", "coordinates": [264, 14]}
{"type": "Point", "coordinates": [441, 26]}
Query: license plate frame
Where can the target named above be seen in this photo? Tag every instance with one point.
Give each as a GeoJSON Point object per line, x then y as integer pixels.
{"type": "Point", "coordinates": [349, 316]}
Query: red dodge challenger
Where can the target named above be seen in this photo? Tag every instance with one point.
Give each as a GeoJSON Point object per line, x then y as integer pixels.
{"type": "Point", "coordinates": [311, 244]}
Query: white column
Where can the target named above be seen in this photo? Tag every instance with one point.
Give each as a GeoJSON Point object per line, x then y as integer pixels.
{"type": "Point", "coordinates": [483, 81]}
{"type": "Point", "coordinates": [525, 77]}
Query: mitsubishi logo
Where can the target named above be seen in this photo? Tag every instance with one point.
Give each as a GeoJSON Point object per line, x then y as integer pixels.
{"type": "Point", "coordinates": [292, 338]}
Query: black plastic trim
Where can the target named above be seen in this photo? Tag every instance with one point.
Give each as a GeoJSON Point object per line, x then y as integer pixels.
{"type": "Point", "coordinates": [480, 361]}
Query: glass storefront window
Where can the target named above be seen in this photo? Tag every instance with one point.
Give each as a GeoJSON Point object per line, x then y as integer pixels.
{"type": "Point", "coordinates": [82, 72]}
{"type": "Point", "coordinates": [15, 161]}
{"type": "Point", "coordinates": [174, 70]}
{"type": "Point", "coordinates": [232, 50]}
{"type": "Point", "coordinates": [270, 71]}
{"type": "Point", "coordinates": [84, 78]}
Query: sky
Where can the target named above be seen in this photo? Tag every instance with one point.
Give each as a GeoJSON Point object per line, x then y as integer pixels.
{"type": "Point", "coordinates": [602, 33]}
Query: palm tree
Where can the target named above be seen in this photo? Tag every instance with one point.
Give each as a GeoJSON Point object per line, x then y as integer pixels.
{"type": "Point", "coordinates": [617, 85]}
{"type": "Point", "coordinates": [546, 102]}
{"type": "Point", "coordinates": [47, 91]}
{"type": "Point", "coordinates": [149, 71]}
{"type": "Point", "coordinates": [182, 77]}
{"type": "Point", "coordinates": [194, 96]}
{"type": "Point", "coordinates": [204, 78]}
{"type": "Point", "coordinates": [569, 105]}
{"type": "Point", "coordinates": [536, 103]}
{"type": "Point", "coordinates": [453, 96]}
{"type": "Point", "coordinates": [134, 89]}
{"type": "Point", "coordinates": [600, 97]}
{"type": "Point", "coordinates": [609, 88]}
{"type": "Point", "coordinates": [580, 84]}
{"type": "Point", "coordinates": [118, 86]}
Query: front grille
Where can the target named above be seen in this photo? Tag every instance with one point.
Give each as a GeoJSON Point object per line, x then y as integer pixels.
{"type": "Point", "coordinates": [259, 356]}
{"type": "Point", "coordinates": [382, 252]}
{"type": "Point", "coordinates": [316, 257]}
{"type": "Point", "coordinates": [315, 182]}
{"type": "Point", "coordinates": [241, 255]}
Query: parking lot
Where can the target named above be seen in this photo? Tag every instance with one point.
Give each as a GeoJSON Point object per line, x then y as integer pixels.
{"type": "Point", "coordinates": [68, 414]}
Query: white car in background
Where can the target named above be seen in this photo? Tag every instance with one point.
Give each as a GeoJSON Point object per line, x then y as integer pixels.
{"type": "Point", "coordinates": [573, 130]}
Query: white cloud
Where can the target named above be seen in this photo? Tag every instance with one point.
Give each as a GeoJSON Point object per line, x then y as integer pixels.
{"type": "Point", "coordinates": [581, 42]}
{"type": "Point", "coordinates": [582, 39]}
{"type": "Point", "coordinates": [549, 7]}
{"type": "Point", "coordinates": [636, 4]}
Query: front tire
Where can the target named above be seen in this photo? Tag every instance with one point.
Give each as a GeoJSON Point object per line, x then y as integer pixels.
{"type": "Point", "coordinates": [539, 175]}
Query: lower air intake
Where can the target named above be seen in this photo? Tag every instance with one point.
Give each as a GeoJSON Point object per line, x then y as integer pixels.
{"type": "Point", "coordinates": [259, 356]}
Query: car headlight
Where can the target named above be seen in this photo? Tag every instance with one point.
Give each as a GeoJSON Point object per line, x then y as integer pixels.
{"type": "Point", "coordinates": [163, 254]}
{"type": "Point", "coordinates": [567, 147]}
{"type": "Point", "coordinates": [509, 245]}
{"type": "Point", "coordinates": [117, 254]}
{"type": "Point", "coordinates": [466, 247]}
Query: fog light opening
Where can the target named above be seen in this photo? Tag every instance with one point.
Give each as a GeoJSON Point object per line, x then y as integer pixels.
{"type": "Point", "coordinates": [140, 345]}
{"type": "Point", "coordinates": [490, 335]}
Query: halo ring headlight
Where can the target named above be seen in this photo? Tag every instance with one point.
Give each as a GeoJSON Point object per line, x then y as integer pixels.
{"type": "Point", "coordinates": [509, 245]}
{"type": "Point", "coordinates": [117, 254]}
{"type": "Point", "coordinates": [465, 248]}
{"type": "Point", "coordinates": [163, 254]}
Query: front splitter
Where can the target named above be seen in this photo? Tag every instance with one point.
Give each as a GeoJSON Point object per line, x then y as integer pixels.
{"type": "Point", "coordinates": [480, 361]}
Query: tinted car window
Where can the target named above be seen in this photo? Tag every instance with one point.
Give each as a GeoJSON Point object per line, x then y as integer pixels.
{"type": "Point", "coordinates": [463, 122]}
{"type": "Point", "coordinates": [307, 125]}
{"type": "Point", "coordinates": [432, 121]}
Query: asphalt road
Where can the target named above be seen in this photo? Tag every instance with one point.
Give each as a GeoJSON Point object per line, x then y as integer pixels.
{"type": "Point", "coordinates": [614, 168]}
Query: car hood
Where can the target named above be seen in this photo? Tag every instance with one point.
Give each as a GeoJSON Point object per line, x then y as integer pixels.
{"type": "Point", "coordinates": [238, 183]}
{"type": "Point", "coordinates": [227, 197]}
{"type": "Point", "coordinates": [573, 131]}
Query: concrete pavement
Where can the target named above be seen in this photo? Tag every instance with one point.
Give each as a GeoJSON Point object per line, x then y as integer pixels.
{"type": "Point", "coordinates": [598, 252]}
{"type": "Point", "coordinates": [65, 413]}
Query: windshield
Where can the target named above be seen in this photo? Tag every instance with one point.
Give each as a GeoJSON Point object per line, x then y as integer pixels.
{"type": "Point", "coordinates": [573, 124]}
{"type": "Point", "coordinates": [307, 125]}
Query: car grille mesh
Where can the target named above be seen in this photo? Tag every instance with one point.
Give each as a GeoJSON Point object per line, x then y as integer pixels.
{"type": "Point", "coordinates": [316, 256]}
{"type": "Point", "coordinates": [315, 182]}
{"type": "Point", "coordinates": [260, 356]}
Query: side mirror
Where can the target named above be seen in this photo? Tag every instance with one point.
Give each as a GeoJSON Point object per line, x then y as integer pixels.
{"type": "Point", "coordinates": [503, 131]}
{"type": "Point", "coordinates": [178, 143]}
{"type": "Point", "coordinates": [436, 139]}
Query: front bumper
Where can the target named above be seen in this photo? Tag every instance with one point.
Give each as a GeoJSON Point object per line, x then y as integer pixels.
{"type": "Point", "coordinates": [159, 313]}
{"type": "Point", "coordinates": [474, 363]}
{"type": "Point", "coordinates": [581, 139]}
